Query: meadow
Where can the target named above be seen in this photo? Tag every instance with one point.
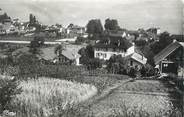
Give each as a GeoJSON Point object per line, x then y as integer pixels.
{"type": "Point", "coordinates": [45, 97]}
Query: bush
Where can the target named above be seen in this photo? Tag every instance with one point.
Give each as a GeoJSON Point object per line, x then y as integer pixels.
{"type": "Point", "coordinates": [8, 89]}
{"type": "Point", "coordinates": [132, 72]}
{"type": "Point", "coordinates": [147, 70]}
{"type": "Point", "coordinates": [116, 64]}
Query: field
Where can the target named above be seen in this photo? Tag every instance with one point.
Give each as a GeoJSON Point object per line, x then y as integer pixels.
{"type": "Point", "coordinates": [45, 96]}
{"type": "Point", "coordinates": [145, 97]}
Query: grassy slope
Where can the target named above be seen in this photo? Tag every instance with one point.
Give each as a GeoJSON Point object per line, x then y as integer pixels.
{"type": "Point", "coordinates": [44, 96]}
{"type": "Point", "coordinates": [121, 102]}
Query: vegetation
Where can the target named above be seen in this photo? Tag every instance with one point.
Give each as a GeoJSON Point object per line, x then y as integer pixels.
{"type": "Point", "coordinates": [164, 40]}
{"type": "Point", "coordinates": [36, 44]}
{"type": "Point", "coordinates": [117, 65]}
{"type": "Point", "coordinates": [111, 24]}
{"type": "Point", "coordinates": [94, 28]}
{"type": "Point", "coordinates": [8, 90]}
{"type": "Point", "coordinates": [58, 50]}
{"type": "Point", "coordinates": [45, 96]}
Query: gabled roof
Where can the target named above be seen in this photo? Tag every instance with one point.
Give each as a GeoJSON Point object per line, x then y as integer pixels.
{"type": "Point", "coordinates": [167, 51]}
{"type": "Point", "coordinates": [70, 54]}
{"type": "Point", "coordinates": [137, 57]}
{"type": "Point", "coordinates": [48, 53]}
{"type": "Point", "coordinates": [113, 42]}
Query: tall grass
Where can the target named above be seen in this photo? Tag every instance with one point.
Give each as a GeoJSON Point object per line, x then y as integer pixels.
{"type": "Point", "coordinates": [44, 97]}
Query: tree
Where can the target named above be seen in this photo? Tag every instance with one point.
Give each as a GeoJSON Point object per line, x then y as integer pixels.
{"type": "Point", "coordinates": [58, 51]}
{"type": "Point", "coordinates": [111, 24]}
{"type": "Point", "coordinates": [117, 64]}
{"type": "Point", "coordinates": [94, 27]}
{"type": "Point", "coordinates": [36, 44]}
{"type": "Point", "coordinates": [164, 40]}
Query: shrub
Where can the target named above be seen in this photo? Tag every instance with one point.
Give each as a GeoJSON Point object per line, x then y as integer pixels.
{"type": "Point", "coordinates": [132, 72]}
{"type": "Point", "coordinates": [8, 90]}
{"type": "Point", "coordinates": [147, 70]}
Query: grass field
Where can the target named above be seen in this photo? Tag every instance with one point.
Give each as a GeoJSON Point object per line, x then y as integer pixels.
{"type": "Point", "coordinates": [143, 98]}
{"type": "Point", "coordinates": [43, 97]}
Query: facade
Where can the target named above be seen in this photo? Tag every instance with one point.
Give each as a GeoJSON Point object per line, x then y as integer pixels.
{"type": "Point", "coordinates": [171, 59]}
{"type": "Point", "coordinates": [119, 46]}
{"type": "Point", "coordinates": [112, 45]}
{"type": "Point", "coordinates": [136, 60]}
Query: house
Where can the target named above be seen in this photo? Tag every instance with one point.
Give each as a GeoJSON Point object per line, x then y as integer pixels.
{"type": "Point", "coordinates": [67, 56]}
{"type": "Point", "coordinates": [136, 60]}
{"type": "Point", "coordinates": [171, 59]}
{"type": "Point", "coordinates": [118, 45]}
{"type": "Point", "coordinates": [74, 31]}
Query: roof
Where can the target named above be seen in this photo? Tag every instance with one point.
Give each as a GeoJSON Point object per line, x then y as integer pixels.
{"type": "Point", "coordinates": [48, 53]}
{"type": "Point", "coordinates": [178, 37]}
{"type": "Point", "coordinates": [113, 42]}
{"type": "Point", "coordinates": [167, 51]}
{"type": "Point", "coordinates": [20, 51]}
{"type": "Point", "coordinates": [69, 52]}
{"type": "Point", "coordinates": [137, 57]}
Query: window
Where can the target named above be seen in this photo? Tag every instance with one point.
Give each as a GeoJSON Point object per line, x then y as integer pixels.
{"type": "Point", "coordinates": [97, 54]}
{"type": "Point", "coordinates": [165, 65]}
{"type": "Point", "coordinates": [104, 55]}
{"type": "Point", "coordinates": [131, 63]}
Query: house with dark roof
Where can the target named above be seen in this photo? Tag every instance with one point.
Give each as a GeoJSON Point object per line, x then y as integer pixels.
{"type": "Point", "coordinates": [68, 55]}
{"type": "Point", "coordinates": [171, 59]}
{"type": "Point", "coordinates": [118, 45]}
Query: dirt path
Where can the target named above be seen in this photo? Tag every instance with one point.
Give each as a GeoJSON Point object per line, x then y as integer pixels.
{"type": "Point", "coordinates": [120, 97]}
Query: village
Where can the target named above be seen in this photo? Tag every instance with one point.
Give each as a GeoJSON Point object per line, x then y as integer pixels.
{"type": "Point", "coordinates": [94, 70]}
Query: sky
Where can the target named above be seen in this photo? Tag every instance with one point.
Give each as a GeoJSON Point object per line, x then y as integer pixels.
{"type": "Point", "coordinates": [131, 14]}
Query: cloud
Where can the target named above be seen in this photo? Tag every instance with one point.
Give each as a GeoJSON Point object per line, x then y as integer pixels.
{"type": "Point", "coordinates": [131, 14]}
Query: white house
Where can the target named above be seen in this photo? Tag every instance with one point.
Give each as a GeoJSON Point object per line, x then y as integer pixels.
{"type": "Point", "coordinates": [118, 45]}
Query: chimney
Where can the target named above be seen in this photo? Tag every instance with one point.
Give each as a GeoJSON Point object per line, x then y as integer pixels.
{"type": "Point", "coordinates": [174, 40]}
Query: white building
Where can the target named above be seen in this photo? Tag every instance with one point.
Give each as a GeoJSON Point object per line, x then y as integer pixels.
{"type": "Point", "coordinates": [114, 45]}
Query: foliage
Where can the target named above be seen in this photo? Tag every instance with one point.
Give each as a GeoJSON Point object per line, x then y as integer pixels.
{"type": "Point", "coordinates": [46, 97]}
{"type": "Point", "coordinates": [4, 17]}
{"type": "Point", "coordinates": [117, 64]}
{"type": "Point", "coordinates": [8, 89]}
{"type": "Point", "coordinates": [111, 24]}
{"type": "Point", "coordinates": [28, 65]}
{"type": "Point", "coordinates": [164, 40]}
{"type": "Point", "coordinates": [36, 44]}
{"type": "Point", "coordinates": [80, 40]}
{"type": "Point", "coordinates": [147, 70]}
{"type": "Point", "coordinates": [86, 53]}
{"type": "Point", "coordinates": [58, 50]}
{"type": "Point", "coordinates": [94, 63]}
{"type": "Point", "coordinates": [141, 43]}
{"type": "Point", "coordinates": [132, 72]}
{"type": "Point", "coordinates": [94, 26]}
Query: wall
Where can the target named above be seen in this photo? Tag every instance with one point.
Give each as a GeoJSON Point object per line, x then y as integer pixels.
{"type": "Point", "coordinates": [105, 55]}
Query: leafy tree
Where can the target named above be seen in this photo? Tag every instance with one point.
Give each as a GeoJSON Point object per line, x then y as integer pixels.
{"type": "Point", "coordinates": [86, 54]}
{"type": "Point", "coordinates": [164, 40]}
{"type": "Point", "coordinates": [117, 64]}
{"type": "Point", "coordinates": [94, 27]}
{"type": "Point", "coordinates": [4, 17]}
{"type": "Point", "coordinates": [36, 44]}
{"type": "Point", "coordinates": [94, 63]}
{"type": "Point", "coordinates": [58, 51]}
{"type": "Point", "coordinates": [111, 24]}
{"type": "Point", "coordinates": [140, 43]}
